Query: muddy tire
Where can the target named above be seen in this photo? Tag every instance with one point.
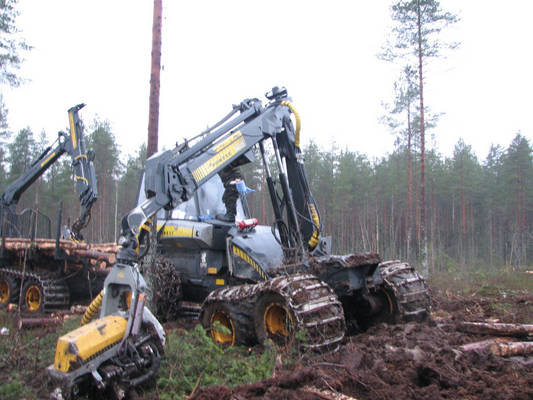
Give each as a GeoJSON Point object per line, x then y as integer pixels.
{"type": "Point", "coordinates": [274, 321]}
{"type": "Point", "coordinates": [32, 297]}
{"type": "Point", "coordinates": [405, 291]}
{"type": "Point", "coordinates": [222, 324]}
{"type": "Point", "coordinates": [8, 291]}
{"type": "Point", "coordinates": [280, 308]}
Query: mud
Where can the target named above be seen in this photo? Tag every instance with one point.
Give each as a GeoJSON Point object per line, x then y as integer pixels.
{"type": "Point", "coordinates": [412, 361]}
{"type": "Point", "coordinates": [319, 265]}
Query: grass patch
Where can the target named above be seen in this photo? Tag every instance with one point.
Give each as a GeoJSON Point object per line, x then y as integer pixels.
{"type": "Point", "coordinates": [487, 282]}
{"type": "Point", "coordinates": [14, 389]}
{"type": "Point", "coordinates": [504, 294]}
{"type": "Point", "coordinates": [24, 356]}
{"type": "Point", "coordinates": [192, 359]}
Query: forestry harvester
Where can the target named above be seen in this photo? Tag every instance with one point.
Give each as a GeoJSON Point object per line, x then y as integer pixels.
{"type": "Point", "coordinates": [259, 283]}
{"type": "Point", "coordinates": [49, 273]}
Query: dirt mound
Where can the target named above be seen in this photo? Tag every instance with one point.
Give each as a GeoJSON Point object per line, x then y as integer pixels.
{"type": "Point", "coordinates": [414, 361]}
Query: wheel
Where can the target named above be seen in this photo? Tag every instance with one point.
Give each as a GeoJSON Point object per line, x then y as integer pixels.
{"type": "Point", "coordinates": [8, 290]}
{"type": "Point", "coordinates": [274, 320]}
{"type": "Point", "coordinates": [405, 294]}
{"type": "Point", "coordinates": [369, 309]}
{"type": "Point", "coordinates": [221, 325]}
{"type": "Point", "coordinates": [33, 297]}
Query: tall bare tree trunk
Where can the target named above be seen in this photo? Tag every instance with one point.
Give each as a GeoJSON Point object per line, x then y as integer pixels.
{"type": "Point", "coordinates": [462, 244]}
{"type": "Point", "coordinates": [153, 122]}
{"type": "Point", "coordinates": [423, 234]}
{"type": "Point", "coordinates": [409, 222]}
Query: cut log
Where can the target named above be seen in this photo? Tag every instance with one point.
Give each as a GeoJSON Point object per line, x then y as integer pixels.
{"type": "Point", "coordinates": [512, 349]}
{"type": "Point", "coordinates": [95, 255]}
{"type": "Point", "coordinates": [486, 328]}
{"type": "Point", "coordinates": [105, 247]}
{"type": "Point", "coordinates": [78, 309]}
{"type": "Point", "coordinates": [500, 347]}
{"type": "Point", "coordinates": [16, 243]}
{"type": "Point", "coordinates": [29, 323]}
{"type": "Point", "coordinates": [483, 345]}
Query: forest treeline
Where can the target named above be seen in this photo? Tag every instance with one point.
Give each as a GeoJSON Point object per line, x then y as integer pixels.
{"type": "Point", "coordinates": [479, 212]}
{"type": "Point", "coordinates": [415, 204]}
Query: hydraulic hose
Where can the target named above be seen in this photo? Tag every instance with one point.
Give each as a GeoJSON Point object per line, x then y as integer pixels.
{"type": "Point", "coordinates": [92, 309]}
{"type": "Point", "coordinates": [315, 239]}
{"type": "Point", "coordinates": [156, 362]}
{"type": "Point", "coordinates": [298, 122]}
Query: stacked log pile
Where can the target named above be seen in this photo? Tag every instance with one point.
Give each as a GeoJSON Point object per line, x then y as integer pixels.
{"type": "Point", "coordinates": [506, 345]}
{"type": "Point", "coordinates": [100, 254]}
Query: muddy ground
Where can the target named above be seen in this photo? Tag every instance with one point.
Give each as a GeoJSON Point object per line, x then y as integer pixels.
{"type": "Point", "coordinates": [413, 361]}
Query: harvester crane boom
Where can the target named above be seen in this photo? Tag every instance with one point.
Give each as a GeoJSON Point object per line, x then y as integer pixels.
{"type": "Point", "coordinates": [173, 176]}
{"type": "Point", "coordinates": [82, 162]}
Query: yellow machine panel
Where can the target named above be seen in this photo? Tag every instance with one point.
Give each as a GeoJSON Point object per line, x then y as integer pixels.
{"type": "Point", "coordinates": [176, 231]}
{"type": "Point", "coordinates": [88, 340]}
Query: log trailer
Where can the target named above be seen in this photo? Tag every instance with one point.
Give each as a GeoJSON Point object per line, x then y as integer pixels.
{"type": "Point", "coordinates": [49, 273]}
{"type": "Point", "coordinates": [260, 283]}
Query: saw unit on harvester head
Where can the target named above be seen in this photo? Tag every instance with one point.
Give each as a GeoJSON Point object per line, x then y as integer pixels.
{"type": "Point", "coordinates": [260, 283]}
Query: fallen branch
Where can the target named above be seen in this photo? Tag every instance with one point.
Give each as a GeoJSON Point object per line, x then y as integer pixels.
{"type": "Point", "coordinates": [331, 365]}
{"type": "Point", "coordinates": [486, 328]}
{"type": "Point", "coordinates": [195, 385]}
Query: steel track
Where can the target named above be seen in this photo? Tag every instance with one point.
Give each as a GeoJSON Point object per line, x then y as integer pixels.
{"type": "Point", "coordinates": [316, 309]}
{"type": "Point", "coordinates": [56, 294]}
{"type": "Point", "coordinates": [409, 288]}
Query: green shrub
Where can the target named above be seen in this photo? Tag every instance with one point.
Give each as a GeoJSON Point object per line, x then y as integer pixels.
{"type": "Point", "coordinates": [13, 390]}
{"type": "Point", "coordinates": [193, 357]}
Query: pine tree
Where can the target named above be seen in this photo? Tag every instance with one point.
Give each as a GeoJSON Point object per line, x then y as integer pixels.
{"type": "Point", "coordinates": [129, 182]}
{"type": "Point", "coordinates": [418, 23]}
{"type": "Point", "coordinates": [466, 170]}
{"type": "Point", "coordinates": [107, 168]}
{"type": "Point", "coordinates": [22, 151]}
{"type": "Point", "coordinates": [405, 97]}
{"type": "Point", "coordinates": [518, 175]}
{"type": "Point", "coordinates": [4, 136]}
{"type": "Point", "coordinates": [494, 198]}
{"type": "Point", "coordinates": [11, 46]}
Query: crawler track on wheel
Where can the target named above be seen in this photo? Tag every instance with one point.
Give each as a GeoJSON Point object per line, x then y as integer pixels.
{"type": "Point", "coordinates": [56, 294]}
{"type": "Point", "coordinates": [315, 307]}
{"type": "Point", "coordinates": [409, 290]}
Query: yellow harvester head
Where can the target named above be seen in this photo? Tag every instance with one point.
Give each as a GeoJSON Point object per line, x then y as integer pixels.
{"type": "Point", "coordinates": [88, 341]}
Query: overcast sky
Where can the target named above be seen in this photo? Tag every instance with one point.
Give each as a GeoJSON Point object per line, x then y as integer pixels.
{"type": "Point", "coordinates": [216, 53]}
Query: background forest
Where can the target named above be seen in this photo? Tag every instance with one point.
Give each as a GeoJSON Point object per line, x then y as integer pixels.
{"type": "Point", "coordinates": [479, 212]}
{"type": "Point", "coordinates": [442, 212]}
